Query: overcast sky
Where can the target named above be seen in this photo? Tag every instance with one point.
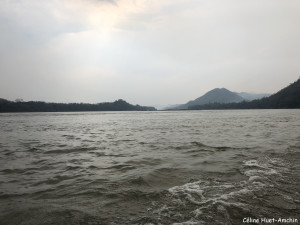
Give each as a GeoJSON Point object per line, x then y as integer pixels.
{"type": "Point", "coordinates": [146, 51]}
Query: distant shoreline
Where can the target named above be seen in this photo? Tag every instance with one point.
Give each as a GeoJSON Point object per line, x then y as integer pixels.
{"type": "Point", "coordinates": [287, 98]}
{"type": "Point", "coordinates": [32, 106]}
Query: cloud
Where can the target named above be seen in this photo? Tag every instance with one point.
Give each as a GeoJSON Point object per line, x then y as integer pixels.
{"type": "Point", "coordinates": [94, 50]}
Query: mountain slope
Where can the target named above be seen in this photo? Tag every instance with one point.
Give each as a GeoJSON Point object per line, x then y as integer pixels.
{"type": "Point", "coordinates": [287, 98]}
{"type": "Point", "coordinates": [217, 95]}
{"type": "Point", "coordinates": [251, 96]}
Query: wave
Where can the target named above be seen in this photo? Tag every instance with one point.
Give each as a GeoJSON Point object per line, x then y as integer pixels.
{"type": "Point", "coordinates": [70, 150]}
{"type": "Point", "coordinates": [201, 201]}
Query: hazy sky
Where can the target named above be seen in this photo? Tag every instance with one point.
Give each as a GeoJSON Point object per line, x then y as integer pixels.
{"type": "Point", "coordinates": [146, 51]}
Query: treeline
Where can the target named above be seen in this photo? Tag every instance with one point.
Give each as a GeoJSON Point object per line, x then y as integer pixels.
{"type": "Point", "coordinates": [287, 98]}
{"type": "Point", "coordinates": [37, 106]}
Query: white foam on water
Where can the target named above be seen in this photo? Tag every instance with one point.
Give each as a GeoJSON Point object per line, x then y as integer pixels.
{"type": "Point", "coordinates": [243, 191]}
{"type": "Point", "coordinates": [235, 204]}
{"type": "Point", "coordinates": [251, 173]}
{"type": "Point", "coordinates": [192, 188]}
{"type": "Point", "coordinates": [194, 192]}
{"type": "Point", "coordinates": [191, 191]}
{"type": "Point", "coordinates": [197, 213]}
{"type": "Point", "coordinates": [262, 170]}
{"type": "Point", "coordinates": [215, 195]}
{"type": "Point", "coordinates": [252, 163]}
{"type": "Point", "coordinates": [255, 179]}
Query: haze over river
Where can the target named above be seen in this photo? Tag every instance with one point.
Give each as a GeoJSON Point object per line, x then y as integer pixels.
{"type": "Point", "coordinates": [158, 168]}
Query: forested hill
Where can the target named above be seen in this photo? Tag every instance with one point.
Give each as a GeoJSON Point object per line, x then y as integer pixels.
{"type": "Point", "coordinates": [32, 106]}
{"type": "Point", "coordinates": [287, 98]}
{"type": "Point", "coordinates": [217, 95]}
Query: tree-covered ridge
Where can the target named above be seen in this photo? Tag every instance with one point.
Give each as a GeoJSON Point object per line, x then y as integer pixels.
{"type": "Point", "coordinates": [287, 98]}
{"type": "Point", "coordinates": [33, 106]}
{"type": "Point", "coordinates": [217, 95]}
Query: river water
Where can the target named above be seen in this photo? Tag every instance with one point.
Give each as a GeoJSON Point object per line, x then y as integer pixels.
{"type": "Point", "coordinates": [150, 168]}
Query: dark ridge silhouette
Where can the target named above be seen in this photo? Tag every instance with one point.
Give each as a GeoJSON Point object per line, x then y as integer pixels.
{"type": "Point", "coordinates": [2, 100]}
{"type": "Point", "coordinates": [33, 106]}
{"type": "Point", "coordinates": [287, 98]}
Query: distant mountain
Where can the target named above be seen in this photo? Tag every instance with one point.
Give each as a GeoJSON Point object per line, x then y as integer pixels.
{"type": "Point", "coordinates": [119, 105]}
{"type": "Point", "coordinates": [217, 95]}
{"type": "Point", "coordinates": [251, 96]}
{"type": "Point", "coordinates": [171, 106]}
{"type": "Point", "coordinates": [287, 98]}
{"type": "Point", "coordinates": [164, 107]}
